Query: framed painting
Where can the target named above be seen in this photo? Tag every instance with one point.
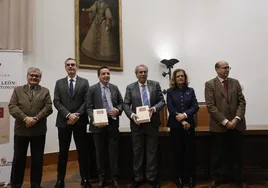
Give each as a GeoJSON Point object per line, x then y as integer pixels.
{"type": "Point", "coordinates": [98, 34]}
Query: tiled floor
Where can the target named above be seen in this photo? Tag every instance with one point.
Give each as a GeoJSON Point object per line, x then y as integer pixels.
{"type": "Point", "coordinates": [73, 179]}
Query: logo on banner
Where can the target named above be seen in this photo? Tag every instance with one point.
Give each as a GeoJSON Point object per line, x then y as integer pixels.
{"type": "Point", "coordinates": [3, 74]}
{"type": "Point", "coordinates": [6, 84]}
{"type": "Point", "coordinates": [1, 112]}
{"type": "Point", "coordinates": [4, 161]}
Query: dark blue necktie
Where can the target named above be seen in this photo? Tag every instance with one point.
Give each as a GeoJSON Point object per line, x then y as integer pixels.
{"type": "Point", "coordinates": [71, 87]}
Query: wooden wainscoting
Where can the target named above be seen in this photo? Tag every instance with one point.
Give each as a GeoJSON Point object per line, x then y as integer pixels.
{"type": "Point", "coordinates": [202, 117]}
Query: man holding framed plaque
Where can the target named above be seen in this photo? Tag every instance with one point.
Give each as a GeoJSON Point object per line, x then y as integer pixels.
{"type": "Point", "coordinates": [104, 106]}
{"type": "Point", "coordinates": [142, 99]}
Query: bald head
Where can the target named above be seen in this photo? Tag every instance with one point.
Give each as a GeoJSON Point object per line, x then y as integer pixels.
{"type": "Point", "coordinates": [220, 63]}
{"type": "Point", "coordinates": [222, 68]}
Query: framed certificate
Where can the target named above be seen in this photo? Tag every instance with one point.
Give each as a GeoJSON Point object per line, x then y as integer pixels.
{"type": "Point", "coordinates": [143, 114]}
{"type": "Point", "coordinates": [100, 117]}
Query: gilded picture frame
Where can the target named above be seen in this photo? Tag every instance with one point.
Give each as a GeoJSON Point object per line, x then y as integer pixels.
{"type": "Point", "coordinates": [98, 34]}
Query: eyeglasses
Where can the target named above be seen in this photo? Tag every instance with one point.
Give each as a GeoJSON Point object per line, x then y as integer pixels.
{"type": "Point", "coordinates": [226, 68]}
{"type": "Point", "coordinates": [70, 64]}
{"type": "Point", "coordinates": [142, 72]}
{"type": "Point", "coordinates": [34, 75]}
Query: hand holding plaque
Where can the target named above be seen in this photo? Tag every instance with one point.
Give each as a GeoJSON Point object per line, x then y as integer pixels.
{"type": "Point", "coordinates": [143, 114]}
{"type": "Point", "coordinates": [100, 117]}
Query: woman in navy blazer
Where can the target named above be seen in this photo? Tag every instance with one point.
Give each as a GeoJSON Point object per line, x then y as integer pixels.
{"type": "Point", "coordinates": [182, 106]}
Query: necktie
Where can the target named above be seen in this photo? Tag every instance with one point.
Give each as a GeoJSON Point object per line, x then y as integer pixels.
{"type": "Point", "coordinates": [225, 86]}
{"type": "Point", "coordinates": [71, 87]}
{"type": "Point", "coordinates": [32, 93]}
{"type": "Point", "coordinates": [107, 101]}
{"type": "Point", "coordinates": [144, 95]}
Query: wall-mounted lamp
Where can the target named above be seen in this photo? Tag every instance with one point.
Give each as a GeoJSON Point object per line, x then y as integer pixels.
{"type": "Point", "coordinates": [169, 64]}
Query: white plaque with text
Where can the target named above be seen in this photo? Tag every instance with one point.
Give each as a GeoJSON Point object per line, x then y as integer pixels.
{"type": "Point", "coordinates": [100, 117]}
{"type": "Point", "coordinates": [143, 114]}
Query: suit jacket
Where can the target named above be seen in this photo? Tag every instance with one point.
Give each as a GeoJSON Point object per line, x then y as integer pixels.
{"type": "Point", "coordinates": [221, 107]}
{"type": "Point", "coordinates": [65, 103]}
{"type": "Point", "coordinates": [181, 101]}
{"type": "Point", "coordinates": [21, 106]}
{"type": "Point", "coordinates": [95, 102]}
{"type": "Point", "coordinates": [133, 99]}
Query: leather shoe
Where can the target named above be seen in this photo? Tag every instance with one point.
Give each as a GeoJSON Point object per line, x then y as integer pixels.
{"type": "Point", "coordinates": [59, 184]}
{"type": "Point", "coordinates": [242, 185]}
{"type": "Point", "coordinates": [156, 185]}
{"type": "Point", "coordinates": [101, 184]}
{"type": "Point", "coordinates": [84, 183]}
{"type": "Point", "coordinates": [191, 182]}
{"type": "Point", "coordinates": [179, 183]}
{"type": "Point", "coordinates": [214, 184]}
{"type": "Point", "coordinates": [115, 184]}
{"type": "Point", "coordinates": [135, 184]}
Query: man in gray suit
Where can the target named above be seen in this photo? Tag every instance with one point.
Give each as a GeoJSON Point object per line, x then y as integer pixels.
{"type": "Point", "coordinates": [70, 97]}
{"type": "Point", "coordinates": [30, 105]}
{"type": "Point", "coordinates": [145, 135]}
{"type": "Point", "coordinates": [226, 105]}
{"type": "Point", "coordinates": [106, 95]}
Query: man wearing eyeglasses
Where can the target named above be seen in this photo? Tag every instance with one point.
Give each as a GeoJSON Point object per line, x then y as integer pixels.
{"type": "Point", "coordinates": [144, 135]}
{"type": "Point", "coordinates": [70, 97]}
{"type": "Point", "coordinates": [226, 105]}
{"type": "Point", "coordinates": [30, 105]}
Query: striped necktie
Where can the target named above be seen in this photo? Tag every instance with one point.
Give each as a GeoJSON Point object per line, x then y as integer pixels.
{"type": "Point", "coordinates": [144, 95]}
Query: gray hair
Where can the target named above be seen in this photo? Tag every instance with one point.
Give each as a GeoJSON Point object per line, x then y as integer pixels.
{"type": "Point", "coordinates": [141, 65]}
{"type": "Point", "coordinates": [31, 69]}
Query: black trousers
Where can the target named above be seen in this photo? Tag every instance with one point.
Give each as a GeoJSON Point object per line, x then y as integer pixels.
{"type": "Point", "coordinates": [184, 149]}
{"type": "Point", "coordinates": [145, 143]}
{"type": "Point", "coordinates": [227, 148]}
{"type": "Point", "coordinates": [37, 145]}
{"type": "Point", "coordinates": [79, 135]}
{"type": "Point", "coordinates": [107, 137]}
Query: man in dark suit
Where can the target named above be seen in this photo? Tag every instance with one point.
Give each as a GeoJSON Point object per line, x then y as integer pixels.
{"type": "Point", "coordinates": [70, 97]}
{"type": "Point", "coordinates": [226, 105]}
{"type": "Point", "coordinates": [145, 135]}
{"type": "Point", "coordinates": [106, 95]}
{"type": "Point", "coordinates": [30, 105]}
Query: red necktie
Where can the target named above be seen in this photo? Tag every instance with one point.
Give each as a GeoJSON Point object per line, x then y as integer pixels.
{"type": "Point", "coordinates": [225, 86]}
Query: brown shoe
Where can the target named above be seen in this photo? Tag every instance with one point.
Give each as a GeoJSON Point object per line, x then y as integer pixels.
{"type": "Point", "coordinates": [214, 184]}
{"type": "Point", "coordinates": [242, 185]}
{"type": "Point", "coordinates": [115, 184]}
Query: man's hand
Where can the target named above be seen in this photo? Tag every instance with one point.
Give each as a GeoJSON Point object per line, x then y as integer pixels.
{"type": "Point", "coordinates": [151, 111]}
{"type": "Point", "coordinates": [180, 116]}
{"type": "Point", "coordinates": [30, 121]}
{"type": "Point", "coordinates": [230, 125]}
{"type": "Point", "coordinates": [114, 112]}
{"type": "Point", "coordinates": [73, 118]}
{"type": "Point", "coordinates": [235, 121]}
{"type": "Point", "coordinates": [134, 118]}
{"type": "Point", "coordinates": [186, 125]}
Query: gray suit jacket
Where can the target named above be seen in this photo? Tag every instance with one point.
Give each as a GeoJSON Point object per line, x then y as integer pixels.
{"type": "Point", "coordinates": [221, 107]}
{"type": "Point", "coordinates": [66, 104]}
{"type": "Point", "coordinates": [20, 106]}
{"type": "Point", "coordinates": [95, 102]}
{"type": "Point", "coordinates": [133, 99]}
